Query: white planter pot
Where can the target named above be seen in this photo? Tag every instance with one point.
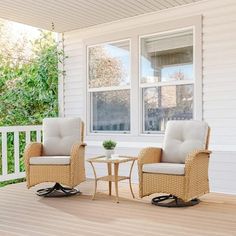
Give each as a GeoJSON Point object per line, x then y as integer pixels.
{"type": "Point", "coordinates": [108, 153]}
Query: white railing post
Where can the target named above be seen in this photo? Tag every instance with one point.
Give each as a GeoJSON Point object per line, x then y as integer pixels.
{"type": "Point", "coordinates": [27, 137]}
{"type": "Point", "coordinates": [38, 136]}
{"type": "Point", "coordinates": [4, 153]}
{"type": "Point", "coordinates": [16, 152]}
{"type": "Point", "coordinates": [16, 131]}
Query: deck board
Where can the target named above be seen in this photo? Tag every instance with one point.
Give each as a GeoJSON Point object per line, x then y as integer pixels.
{"type": "Point", "coordinates": [24, 213]}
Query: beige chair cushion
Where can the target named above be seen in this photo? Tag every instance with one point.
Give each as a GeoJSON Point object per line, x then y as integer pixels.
{"type": "Point", "coordinates": [164, 168]}
{"type": "Point", "coordinates": [183, 137]}
{"type": "Point", "coordinates": [59, 135]}
{"type": "Point", "coordinates": [50, 160]}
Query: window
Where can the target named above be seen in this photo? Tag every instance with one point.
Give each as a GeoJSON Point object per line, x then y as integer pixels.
{"type": "Point", "coordinates": [139, 79]}
{"type": "Point", "coordinates": [109, 86]}
{"type": "Point", "coordinates": [166, 78]}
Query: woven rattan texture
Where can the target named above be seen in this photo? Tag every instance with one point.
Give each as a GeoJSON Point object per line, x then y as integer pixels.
{"type": "Point", "coordinates": [192, 184]}
{"type": "Point", "coordinates": [70, 175]}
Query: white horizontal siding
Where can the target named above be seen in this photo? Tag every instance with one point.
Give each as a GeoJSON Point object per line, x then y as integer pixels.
{"type": "Point", "coordinates": [73, 82]}
{"type": "Point", "coordinates": [219, 80]}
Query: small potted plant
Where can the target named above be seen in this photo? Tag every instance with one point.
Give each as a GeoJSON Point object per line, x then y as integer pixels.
{"type": "Point", "coordinates": [109, 146]}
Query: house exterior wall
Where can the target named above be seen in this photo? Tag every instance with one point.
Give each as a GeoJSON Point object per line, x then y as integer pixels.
{"type": "Point", "coordinates": [218, 82]}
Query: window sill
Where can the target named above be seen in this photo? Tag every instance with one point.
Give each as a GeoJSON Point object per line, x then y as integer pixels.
{"type": "Point", "coordinates": [147, 139]}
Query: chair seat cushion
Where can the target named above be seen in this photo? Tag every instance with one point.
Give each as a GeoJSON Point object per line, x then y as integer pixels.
{"type": "Point", "coordinates": [164, 168]}
{"type": "Point", "coordinates": [50, 160]}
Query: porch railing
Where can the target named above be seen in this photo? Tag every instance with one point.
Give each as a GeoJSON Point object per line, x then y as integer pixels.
{"type": "Point", "coordinates": [13, 140]}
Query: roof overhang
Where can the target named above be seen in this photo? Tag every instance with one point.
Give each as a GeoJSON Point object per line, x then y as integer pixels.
{"type": "Point", "coordinates": [68, 15]}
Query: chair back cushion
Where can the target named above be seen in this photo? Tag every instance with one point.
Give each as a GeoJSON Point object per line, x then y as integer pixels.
{"type": "Point", "coordinates": [183, 137]}
{"type": "Point", "coordinates": [59, 135]}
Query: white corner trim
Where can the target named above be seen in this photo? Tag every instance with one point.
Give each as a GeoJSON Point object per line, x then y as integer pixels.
{"type": "Point", "coordinates": [61, 106]}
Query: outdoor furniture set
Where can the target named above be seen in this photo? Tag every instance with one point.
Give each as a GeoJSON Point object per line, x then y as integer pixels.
{"type": "Point", "coordinates": [179, 169]}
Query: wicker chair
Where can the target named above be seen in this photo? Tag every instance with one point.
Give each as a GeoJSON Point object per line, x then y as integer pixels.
{"type": "Point", "coordinates": [180, 169]}
{"type": "Point", "coordinates": [59, 159]}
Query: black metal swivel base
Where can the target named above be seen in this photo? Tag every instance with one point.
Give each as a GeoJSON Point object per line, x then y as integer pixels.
{"type": "Point", "coordinates": [57, 191]}
{"type": "Point", "coordinates": [173, 201]}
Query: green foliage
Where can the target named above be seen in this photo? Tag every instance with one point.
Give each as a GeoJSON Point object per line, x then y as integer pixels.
{"type": "Point", "coordinates": [4, 183]}
{"type": "Point", "coordinates": [28, 88]}
{"type": "Point", "coordinates": [109, 144]}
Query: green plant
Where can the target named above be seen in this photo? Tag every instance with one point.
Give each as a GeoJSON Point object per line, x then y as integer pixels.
{"type": "Point", "coordinates": [15, 181]}
{"type": "Point", "coordinates": [28, 88]}
{"type": "Point", "coordinates": [109, 144]}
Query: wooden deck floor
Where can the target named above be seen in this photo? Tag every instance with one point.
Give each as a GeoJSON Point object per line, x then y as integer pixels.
{"type": "Point", "coordinates": [24, 213]}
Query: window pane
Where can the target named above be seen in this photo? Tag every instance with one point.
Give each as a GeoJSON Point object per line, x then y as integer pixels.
{"type": "Point", "coordinates": [167, 57]}
{"type": "Point", "coordinates": [179, 72]}
{"type": "Point", "coordinates": [109, 64]}
{"type": "Point", "coordinates": [111, 110]}
{"type": "Point", "coordinates": [166, 103]}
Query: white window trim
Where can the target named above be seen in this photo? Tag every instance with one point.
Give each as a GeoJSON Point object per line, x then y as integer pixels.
{"type": "Point", "coordinates": [89, 91]}
{"type": "Point", "coordinates": [160, 84]}
{"type": "Point", "coordinates": [111, 88]}
{"type": "Point", "coordinates": [133, 34]}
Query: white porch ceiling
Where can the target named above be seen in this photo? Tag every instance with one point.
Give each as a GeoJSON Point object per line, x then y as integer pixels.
{"type": "Point", "coordinates": [76, 14]}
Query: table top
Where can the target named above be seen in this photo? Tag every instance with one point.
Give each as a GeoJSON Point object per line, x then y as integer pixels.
{"type": "Point", "coordinates": [116, 159]}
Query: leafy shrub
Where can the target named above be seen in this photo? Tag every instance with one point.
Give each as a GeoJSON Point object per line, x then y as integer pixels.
{"type": "Point", "coordinates": [29, 90]}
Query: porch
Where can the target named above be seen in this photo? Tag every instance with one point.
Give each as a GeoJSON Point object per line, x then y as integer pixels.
{"type": "Point", "coordinates": [204, 32]}
{"type": "Point", "coordinates": [24, 213]}
{"type": "Point", "coordinates": [214, 75]}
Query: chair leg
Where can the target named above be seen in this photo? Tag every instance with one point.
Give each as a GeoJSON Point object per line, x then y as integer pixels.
{"type": "Point", "coordinates": [173, 201]}
{"type": "Point", "coordinates": [57, 191]}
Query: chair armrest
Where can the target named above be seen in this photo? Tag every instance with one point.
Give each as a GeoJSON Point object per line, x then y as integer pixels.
{"type": "Point", "coordinates": [76, 149]}
{"type": "Point", "coordinates": [197, 159]}
{"type": "Point", "coordinates": [31, 150]}
{"type": "Point", "coordinates": [77, 163]}
{"type": "Point", "coordinates": [149, 155]}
